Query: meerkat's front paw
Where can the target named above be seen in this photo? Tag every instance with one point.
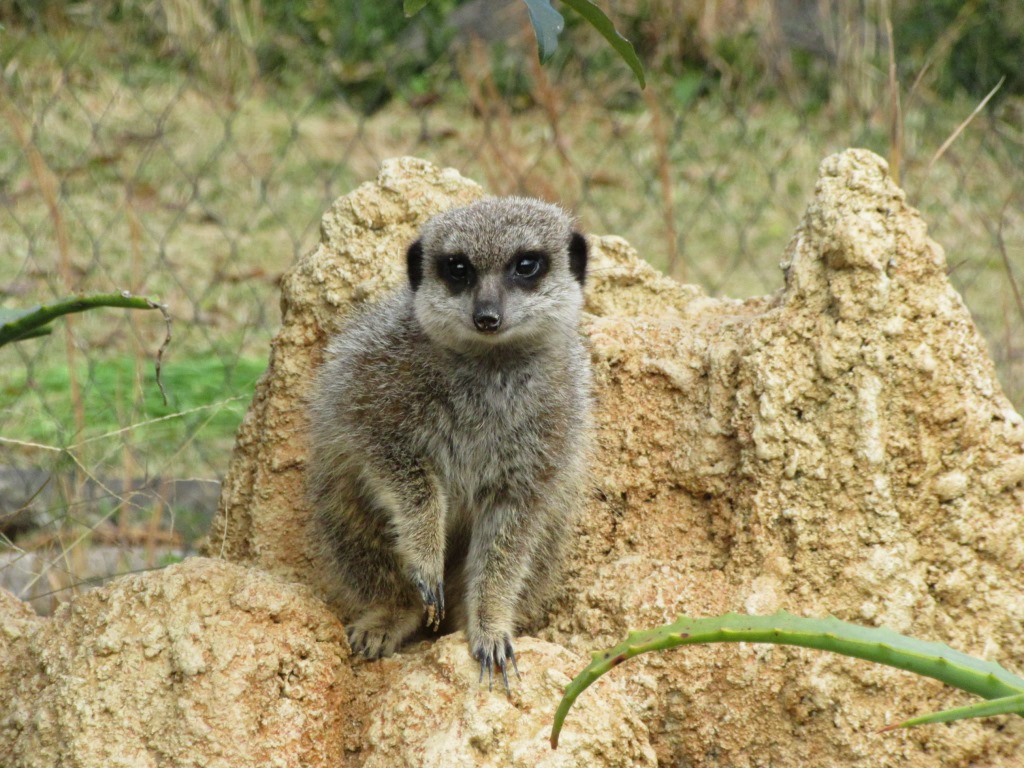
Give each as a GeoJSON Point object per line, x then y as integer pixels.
{"type": "Point", "coordinates": [494, 650]}
{"type": "Point", "coordinates": [432, 593]}
{"type": "Point", "coordinates": [379, 631]}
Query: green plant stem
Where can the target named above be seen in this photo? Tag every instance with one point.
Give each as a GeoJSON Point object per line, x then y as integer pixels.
{"type": "Point", "coordinates": [33, 321]}
{"type": "Point", "coordinates": [18, 325]}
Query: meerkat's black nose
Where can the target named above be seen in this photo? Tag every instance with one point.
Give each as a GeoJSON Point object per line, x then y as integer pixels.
{"type": "Point", "coordinates": [487, 319]}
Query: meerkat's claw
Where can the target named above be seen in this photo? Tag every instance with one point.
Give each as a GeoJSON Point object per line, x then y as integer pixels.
{"type": "Point", "coordinates": [369, 644]}
{"type": "Point", "coordinates": [512, 657]}
{"type": "Point", "coordinates": [496, 655]}
{"type": "Point", "coordinates": [504, 675]}
{"type": "Point", "coordinates": [433, 601]}
{"type": "Point", "coordinates": [485, 663]}
{"type": "Point", "coordinates": [380, 631]}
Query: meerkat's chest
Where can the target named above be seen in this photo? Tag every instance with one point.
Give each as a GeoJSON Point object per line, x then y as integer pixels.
{"type": "Point", "coordinates": [491, 433]}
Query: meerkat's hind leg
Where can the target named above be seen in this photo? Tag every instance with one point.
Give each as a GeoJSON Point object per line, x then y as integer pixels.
{"type": "Point", "coordinates": [382, 629]}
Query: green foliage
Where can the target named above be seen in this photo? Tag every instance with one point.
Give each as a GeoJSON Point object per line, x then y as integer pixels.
{"type": "Point", "coordinates": [353, 31]}
{"type": "Point", "coordinates": [880, 645]}
{"type": "Point", "coordinates": [548, 24]}
{"type": "Point", "coordinates": [412, 7]}
{"type": "Point", "coordinates": [596, 17]}
{"type": "Point", "coordinates": [370, 48]}
{"type": "Point", "coordinates": [967, 45]}
{"type": "Point", "coordinates": [114, 396]}
{"type": "Point", "coordinates": [687, 88]}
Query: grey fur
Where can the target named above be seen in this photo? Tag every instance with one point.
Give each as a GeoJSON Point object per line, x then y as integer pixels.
{"type": "Point", "coordinates": [449, 457]}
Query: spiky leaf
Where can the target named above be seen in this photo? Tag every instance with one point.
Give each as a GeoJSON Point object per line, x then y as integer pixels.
{"type": "Point", "coordinates": [878, 644]}
{"type": "Point", "coordinates": [21, 324]}
{"type": "Point", "coordinates": [1007, 705]}
{"type": "Point", "coordinates": [13, 329]}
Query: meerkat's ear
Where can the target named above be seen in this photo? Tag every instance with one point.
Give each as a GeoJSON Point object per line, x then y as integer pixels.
{"type": "Point", "coordinates": [578, 256]}
{"type": "Point", "coordinates": [414, 264]}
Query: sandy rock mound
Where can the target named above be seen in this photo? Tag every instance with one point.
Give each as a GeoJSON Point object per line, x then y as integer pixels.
{"type": "Point", "coordinates": [430, 712]}
{"type": "Point", "coordinates": [204, 663]}
{"type": "Point", "coordinates": [212, 664]}
{"type": "Point", "coordinates": [842, 447]}
{"type": "Point", "coordinates": [18, 622]}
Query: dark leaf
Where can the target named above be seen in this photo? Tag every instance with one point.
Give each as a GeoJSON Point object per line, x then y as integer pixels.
{"type": "Point", "coordinates": [547, 25]}
{"type": "Point", "coordinates": [603, 24]}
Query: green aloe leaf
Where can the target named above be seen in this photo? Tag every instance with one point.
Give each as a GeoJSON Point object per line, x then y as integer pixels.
{"type": "Point", "coordinates": [878, 644]}
{"type": "Point", "coordinates": [20, 324]}
{"type": "Point", "coordinates": [10, 323]}
{"type": "Point", "coordinates": [1007, 705]}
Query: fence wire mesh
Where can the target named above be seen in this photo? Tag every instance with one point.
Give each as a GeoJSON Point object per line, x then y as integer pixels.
{"type": "Point", "coordinates": [185, 151]}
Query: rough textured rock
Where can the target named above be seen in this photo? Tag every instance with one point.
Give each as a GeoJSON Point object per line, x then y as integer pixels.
{"type": "Point", "coordinates": [18, 622]}
{"type": "Point", "coordinates": [205, 663]}
{"type": "Point", "coordinates": [431, 713]}
{"type": "Point", "coordinates": [208, 663]}
{"type": "Point", "coordinates": [842, 447]}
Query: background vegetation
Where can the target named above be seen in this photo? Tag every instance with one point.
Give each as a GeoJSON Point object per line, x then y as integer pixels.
{"type": "Point", "coordinates": [185, 150]}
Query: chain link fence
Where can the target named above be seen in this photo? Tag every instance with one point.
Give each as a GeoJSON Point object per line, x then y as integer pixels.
{"type": "Point", "coordinates": [184, 151]}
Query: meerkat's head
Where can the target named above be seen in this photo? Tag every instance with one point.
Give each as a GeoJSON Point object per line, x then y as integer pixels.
{"type": "Point", "coordinates": [502, 270]}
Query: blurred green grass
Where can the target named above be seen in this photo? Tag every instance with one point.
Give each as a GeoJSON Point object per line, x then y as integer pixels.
{"type": "Point", "coordinates": [207, 398]}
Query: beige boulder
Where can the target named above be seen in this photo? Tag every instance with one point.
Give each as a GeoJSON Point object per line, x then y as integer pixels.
{"type": "Point", "coordinates": [205, 663]}
{"type": "Point", "coordinates": [431, 712]}
{"type": "Point", "coordinates": [841, 447]}
{"type": "Point", "coordinates": [212, 664]}
{"type": "Point", "coordinates": [18, 622]}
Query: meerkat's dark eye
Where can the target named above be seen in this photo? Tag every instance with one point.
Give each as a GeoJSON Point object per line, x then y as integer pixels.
{"type": "Point", "coordinates": [455, 270]}
{"type": "Point", "coordinates": [530, 265]}
{"type": "Point", "coordinates": [458, 270]}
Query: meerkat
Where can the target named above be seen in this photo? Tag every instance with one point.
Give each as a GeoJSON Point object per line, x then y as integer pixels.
{"type": "Point", "coordinates": [449, 433]}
